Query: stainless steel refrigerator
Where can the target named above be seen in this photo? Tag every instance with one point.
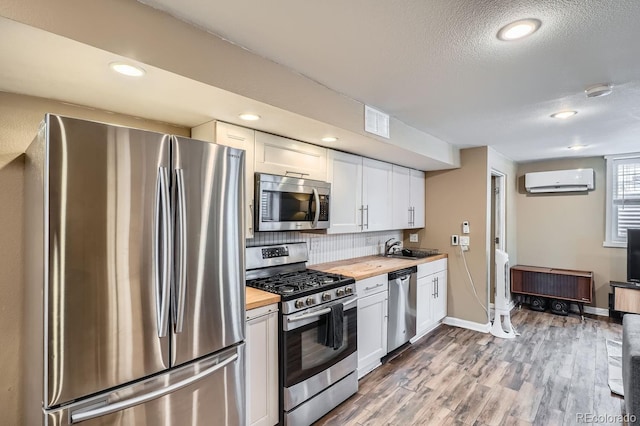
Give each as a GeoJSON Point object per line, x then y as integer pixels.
{"type": "Point", "coordinates": [135, 276]}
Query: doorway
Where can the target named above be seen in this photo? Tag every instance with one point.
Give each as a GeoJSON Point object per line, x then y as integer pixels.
{"type": "Point", "coordinates": [497, 226]}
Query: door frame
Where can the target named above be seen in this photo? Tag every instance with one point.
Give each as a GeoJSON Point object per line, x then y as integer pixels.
{"type": "Point", "coordinates": [497, 211]}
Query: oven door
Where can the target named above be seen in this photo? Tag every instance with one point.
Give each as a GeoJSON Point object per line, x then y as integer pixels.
{"type": "Point", "coordinates": [290, 204]}
{"type": "Point", "coordinates": [309, 367]}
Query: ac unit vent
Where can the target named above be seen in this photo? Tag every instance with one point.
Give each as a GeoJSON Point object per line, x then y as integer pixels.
{"type": "Point", "coordinates": [560, 181]}
{"type": "Point", "coordinates": [376, 122]}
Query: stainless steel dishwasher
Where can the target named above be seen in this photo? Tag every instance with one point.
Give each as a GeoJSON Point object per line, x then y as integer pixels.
{"type": "Point", "coordinates": [402, 307]}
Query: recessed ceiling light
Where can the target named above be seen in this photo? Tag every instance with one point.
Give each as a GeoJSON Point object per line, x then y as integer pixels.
{"type": "Point", "coordinates": [598, 90]}
{"type": "Point", "coordinates": [127, 69]}
{"type": "Point", "coordinates": [576, 147]}
{"type": "Point", "coordinates": [518, 29]}
{"type": "Point", "coordinates": [249, 117]}
{"type": "Point", "coordinates": [329, 139]}
{"type": "Point", "coordinates": [564, 114]}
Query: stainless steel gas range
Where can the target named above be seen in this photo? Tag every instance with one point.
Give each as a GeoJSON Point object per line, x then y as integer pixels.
{"type": "Point", "coordinates": [317, 332]}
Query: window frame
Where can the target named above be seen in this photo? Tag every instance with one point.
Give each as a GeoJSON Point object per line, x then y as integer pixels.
{"type": "Point", "coordinates": [610, 226]}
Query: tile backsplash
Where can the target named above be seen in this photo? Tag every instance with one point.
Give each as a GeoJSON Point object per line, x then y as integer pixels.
{"type": "Point", "coordinates": [329, 248]}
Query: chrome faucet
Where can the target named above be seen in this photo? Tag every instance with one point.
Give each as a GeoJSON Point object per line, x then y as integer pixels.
{"type": "Point", "coordinates": [388, 247]}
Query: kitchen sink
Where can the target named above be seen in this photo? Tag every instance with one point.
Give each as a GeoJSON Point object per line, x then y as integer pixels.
{"type": "Point", "coordinates": [413, 254]}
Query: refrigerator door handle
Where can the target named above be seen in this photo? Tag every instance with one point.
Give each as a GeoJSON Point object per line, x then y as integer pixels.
{"type": "Point", "coordinates": [80, 416]}
{"type": "Point", "coordinates": [160, 244]}
{"type": "Point", "coordinates": [182, 255]}
{"type": "Point", "coordinates": [166, 254]}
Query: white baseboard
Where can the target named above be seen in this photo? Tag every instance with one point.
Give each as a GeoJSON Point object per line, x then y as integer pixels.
{"type": "Point", "coordinates": [470, 325]}
{"type": "Point", "coordinates": [590, 310]}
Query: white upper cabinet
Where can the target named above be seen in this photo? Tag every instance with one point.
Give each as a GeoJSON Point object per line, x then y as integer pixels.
{"type": "Point", "coordinates": [236, 137]}
{"type": "Point", "coordinates": [417, 188]}
{"type": "Point", "coordinates": [287, 157]}
{"type": "Point", "coordinates": [402, 213]}
{"type": "Point", "coordinates": [344, 172]}
{"type": "Point", "coordinates": [377, 195]}
{"type": "Point", "coordinates": [408, 198]}
{"type": "Point", "coordinates": [361, 193]}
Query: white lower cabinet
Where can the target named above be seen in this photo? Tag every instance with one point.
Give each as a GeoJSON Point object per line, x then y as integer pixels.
{"type": "Point", "coordinates": [431, 296]}
{"type": "Point", "coordinates": [372, 322]}
{"type": "Point", "coordinates": [262, 366]}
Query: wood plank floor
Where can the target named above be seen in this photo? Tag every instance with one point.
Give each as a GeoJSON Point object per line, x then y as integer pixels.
{"type": "Point", "coordinates": [555, 370]}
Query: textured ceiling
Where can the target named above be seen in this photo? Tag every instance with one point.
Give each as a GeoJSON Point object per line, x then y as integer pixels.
{"type": "Point", "coordinates": [438, 66]}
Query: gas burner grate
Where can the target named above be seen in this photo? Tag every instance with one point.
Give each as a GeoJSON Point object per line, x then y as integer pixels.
{"type": "Point", "coordinates": [296, 282]}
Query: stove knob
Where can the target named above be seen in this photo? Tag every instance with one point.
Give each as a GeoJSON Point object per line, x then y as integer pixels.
{"type": "Point", "coordinates": [299, 303]}
{"type": "Point", "coordinates": [349, 290]}
{"type": "Point", "coordinates": [340, 292]}
{"type": "Point", "coordinates": [326, 297]}
{"type": "Point", "coordinates": [310, 301]}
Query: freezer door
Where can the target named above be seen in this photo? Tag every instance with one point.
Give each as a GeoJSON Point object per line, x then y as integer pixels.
{"type": "Point", "coordinates": [202, 393]}
{"type": "Point", "coordinates": [104, 296]}
{"type": "Point", "coordinates": [208, 287]}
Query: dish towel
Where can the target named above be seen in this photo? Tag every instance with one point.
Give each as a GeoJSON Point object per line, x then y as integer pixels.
{"type": "Point", "coordinates": [332, 333]}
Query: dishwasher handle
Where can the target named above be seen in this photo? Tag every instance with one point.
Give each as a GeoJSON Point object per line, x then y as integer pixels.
{"type": "Point", "coordinates": [401, 273]}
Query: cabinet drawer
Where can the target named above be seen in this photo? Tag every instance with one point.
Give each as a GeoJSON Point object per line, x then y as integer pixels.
{"type": "Point", "coordinates": [429, 268]}
{"type": "Point", "coordinates": [372, 285]}
{"type": "Point", "coordinates": [263, 310]}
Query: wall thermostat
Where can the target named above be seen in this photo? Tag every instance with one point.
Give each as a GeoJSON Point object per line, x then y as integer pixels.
{"type": "Point", "coordinates": [465, 227]}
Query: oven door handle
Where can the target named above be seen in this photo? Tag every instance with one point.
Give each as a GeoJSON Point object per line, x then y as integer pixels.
{"type": "Point", "coordinates": [320, 312]}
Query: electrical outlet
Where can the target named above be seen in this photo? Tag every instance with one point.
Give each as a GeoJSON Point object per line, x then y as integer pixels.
{"type": "Point", "coordinates": [464, 241]}
{"type": "Point", "coordinates": [454, 240]}
{"type": "Point", "coordinates": [315, 244]}
{"type": "Point", "coordinates": [413, 238]}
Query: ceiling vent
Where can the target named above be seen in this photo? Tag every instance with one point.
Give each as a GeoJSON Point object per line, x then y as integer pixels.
{"type": "Point", "coordinates": [559, 181]}
{"type": "Point", "coordinates": [376, 122]}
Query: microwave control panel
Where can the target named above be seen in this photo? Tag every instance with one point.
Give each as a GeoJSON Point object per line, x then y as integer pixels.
{"type": "Point", "coordinates": [324, 208]}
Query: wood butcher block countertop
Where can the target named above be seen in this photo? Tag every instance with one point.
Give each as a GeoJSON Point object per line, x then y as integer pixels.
{"type": "Point", "coordinates": [257, 298]}
{"type": "Point", "coordinates": [370, 266]}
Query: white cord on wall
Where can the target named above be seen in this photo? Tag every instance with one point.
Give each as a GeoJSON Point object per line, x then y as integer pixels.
{"type": "Point", "coordinates": [473, 287]}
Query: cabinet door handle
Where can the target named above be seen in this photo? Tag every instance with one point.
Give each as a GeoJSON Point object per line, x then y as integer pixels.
{"type": "Point", "coordinates": [366, 208]}
{"type": "Point", "coordinates": [361, 217]}
{"type": "Point", "coordinates": [373, 286]}
{"type": "Point", "coordinates": [287, 173]}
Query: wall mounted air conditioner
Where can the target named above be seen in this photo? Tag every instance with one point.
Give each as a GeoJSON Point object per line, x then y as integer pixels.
{"type": "Point", "coordinates": [559, 181]}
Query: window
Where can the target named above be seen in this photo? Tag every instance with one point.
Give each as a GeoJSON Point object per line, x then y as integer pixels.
{"type": "Point", "coordinates": [623, 198]}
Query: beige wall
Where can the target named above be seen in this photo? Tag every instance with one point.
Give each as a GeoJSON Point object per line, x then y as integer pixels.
{"type": "Point", "coordinates": [19, 119]}
{"type": "Point", "coordinates": [567, 231]}
{"type": "Point", "coordinates": [453, 196]}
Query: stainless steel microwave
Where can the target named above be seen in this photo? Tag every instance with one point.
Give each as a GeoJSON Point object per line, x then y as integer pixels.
{"type": "Point", "coordinates": [285, 203]}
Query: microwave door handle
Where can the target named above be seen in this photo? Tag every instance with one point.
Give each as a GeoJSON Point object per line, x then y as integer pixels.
{"type": "Point", "coordinates": [317, 215]}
